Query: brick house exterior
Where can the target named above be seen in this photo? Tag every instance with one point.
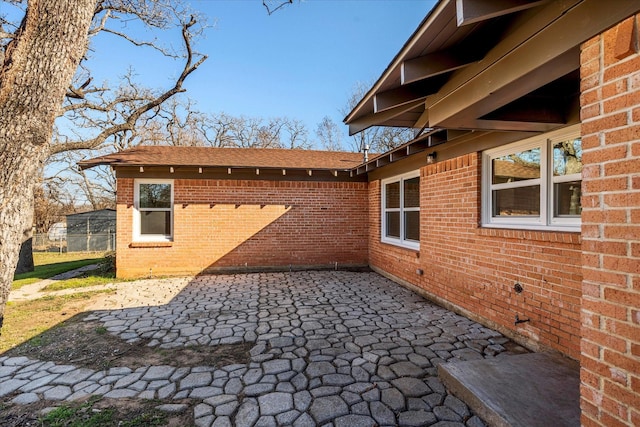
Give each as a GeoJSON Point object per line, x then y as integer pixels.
{"type": "Point", "coordinates": [610, 101]}
{"type": "Point", "coordinates": [548, 82]}
{"type": "Point", "coordinates": [473, 270]}
{"type": "Point", "coordinates": [312, 225]}
{"type": "Point", "coordinates": [540, 68]}
{"type": "Point", "coordinates": [240, 209]}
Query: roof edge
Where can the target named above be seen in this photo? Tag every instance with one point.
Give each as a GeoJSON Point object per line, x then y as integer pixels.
{"type": "Point", "coordinates": [417, 34]}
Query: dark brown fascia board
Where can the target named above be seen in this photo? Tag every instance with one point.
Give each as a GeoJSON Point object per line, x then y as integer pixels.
{"type": "Point", "coordinates": [436, 18]}
{"type": "Point", "coordinates": [284, 170]}
{"type": "Point", "coordinates": [521, 74]}
{"type": "Point", "coordinates": [88, 164]}
{"type": "Point", "coordinates": [398, 97]}
{"type": "Point", "coordinates": [407, 94]}
{"type": "Point", "coordinates": [469, 143]}
{"type": "Point", "coordinates": [522, 28]}
{"type": "Point", "coordinates": [244, 173]}
{"type": "Point", "coordinates": [434, 15]}
{"type": "Point", "coordinates": [418, 146]}
{"type": "Point", "coordinates": [553, 32]}
{"type": "Point", "coordinates": [508, 94]}
{"type": "Point", "coordinates": [435, 64]}
{"type": "Point", "coordinates": [366, 122]}
{"type": "Point", "coordinates": [473, 11]}
{"type": "Point", "coordinates": [423, 143]}
{"type": "Point", "coordinates": [198, 167]}
{"type": "Point", "coordinates": [533, 109]}
{"type": "Point", "coordinates": [511, 126]}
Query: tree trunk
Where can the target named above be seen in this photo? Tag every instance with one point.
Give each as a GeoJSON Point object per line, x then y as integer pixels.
{"type": "Point", "coordinates": [25, 260]}
{"type": "Point", "coordinates": [38, 67]}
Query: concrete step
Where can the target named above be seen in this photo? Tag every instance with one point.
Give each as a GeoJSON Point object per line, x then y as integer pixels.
{"type": "Point", "coordinates": [526, 390]}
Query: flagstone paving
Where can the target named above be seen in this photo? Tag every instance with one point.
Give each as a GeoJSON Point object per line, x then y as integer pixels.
{"type": "Point", "coordinates": [331, 349]}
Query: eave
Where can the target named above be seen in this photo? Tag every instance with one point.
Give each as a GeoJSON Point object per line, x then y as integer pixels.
{"type": "Point", "coordinates": [424, 143]}
{"type": "Point", "coordinates": [487, 65]}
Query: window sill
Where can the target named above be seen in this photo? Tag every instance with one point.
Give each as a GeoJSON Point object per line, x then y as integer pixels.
{"type": "Point", "coordinates": [150, 244]}
{"type": "Point", "coordinates": [546, 235]}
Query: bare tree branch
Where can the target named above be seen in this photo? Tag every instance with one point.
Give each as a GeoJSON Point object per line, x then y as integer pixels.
{"type": "Point", "coordinates": [129, 122]}
{"type": "Point", "coordinates": [152, 44]}
{"type": "Point", "coordinates": [277, 4]}
{"type": "Point", "coordinates": [101, 25]}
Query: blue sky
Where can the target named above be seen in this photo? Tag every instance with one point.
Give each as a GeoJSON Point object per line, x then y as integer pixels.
{"type": "Point", "coordinates": [301, 62]}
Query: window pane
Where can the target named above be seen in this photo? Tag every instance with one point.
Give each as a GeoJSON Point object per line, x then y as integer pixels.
{"type": "Point", "coordinates": [567, 199]}
{"type": "Point", "coordinates": [392, 194]}
{"type": "Point", "coordinates": [412, 226]}
{"type": "Point", "coordinates": [412, 193]}
{"type": "Point", "coordinates": [516, 167]}
{"type": "Point", "coordinates": [567, 157]}
{"type": "Point", "coordinates": [155, 195]}
{"type": "Point", "coordinates": [155, 222]}
{"type": "Point", "coordinates": [393, 224]}
{"type": "Point", "coordinates": [522, 201]}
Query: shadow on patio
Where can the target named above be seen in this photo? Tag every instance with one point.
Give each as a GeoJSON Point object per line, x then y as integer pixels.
{"type": "Point", "coordinates": [325, 347]}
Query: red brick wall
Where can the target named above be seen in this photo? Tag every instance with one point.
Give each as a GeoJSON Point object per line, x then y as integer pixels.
{"type": "Point", "coordinates": [610, 363]}
{"type": "Point", "coordinates": [250, 224]}
{"type": "Point", "coordinates": [474, 270]}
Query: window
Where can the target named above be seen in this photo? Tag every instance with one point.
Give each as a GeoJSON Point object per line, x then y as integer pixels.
{"type": "Point", "coordinates": [534, 183]}
{"type": "Point", "coordinates": [401, 210]}
{"type": "Point", "coordinates": [153, 218]}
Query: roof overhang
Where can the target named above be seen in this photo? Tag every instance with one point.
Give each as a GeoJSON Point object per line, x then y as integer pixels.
{"type": "Point", "coordinates": [155, 161]}
{"type": "Point", "coordinates": [489, 65]}
{"type": "Point", "coordinates": [423, 143]}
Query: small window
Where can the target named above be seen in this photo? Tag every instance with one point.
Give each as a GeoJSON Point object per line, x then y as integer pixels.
{"type": "Point", "coordinates": [153, 218]}
{"type": "Point", "coordinates": [401, 210]}
{"type": "Point", "coordinates": [534, 183]}
{"type": "Point", "coordinates": [567, 178]}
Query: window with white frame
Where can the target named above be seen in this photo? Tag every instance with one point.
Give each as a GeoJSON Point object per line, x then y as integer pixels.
{"type": "Point", "coordinates": [401, 210]}
{"type": "Point", "coordinates": [153, 217]}
{"type": "Point", "coordinates": [535, 183]}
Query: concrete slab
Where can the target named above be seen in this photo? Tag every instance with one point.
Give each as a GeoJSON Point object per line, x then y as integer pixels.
{"type": "Point", "coordinates": [527, 390]}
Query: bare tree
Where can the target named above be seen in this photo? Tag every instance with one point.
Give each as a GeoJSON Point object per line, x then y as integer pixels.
{"type": "Point", "coordinates": [178, 124]}
{"type": "Point", "coordinates": [295, 134]}
{"type": "Point", "coordinates": [50, 207]}
{"type": "Point", "coordinates": [329, 135]}
{"type": "Point", "coordinates": [39, 56]}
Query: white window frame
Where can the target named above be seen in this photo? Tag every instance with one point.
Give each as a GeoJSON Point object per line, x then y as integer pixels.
{"type": "Point", "coordinates": [546, 220]}
{"type": "Point", "coordinates": [137, 236]}
{"type": "Point", "coordinates": [405, 243]}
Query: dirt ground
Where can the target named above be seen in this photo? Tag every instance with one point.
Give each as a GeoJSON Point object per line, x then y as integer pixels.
{"type": "Point", "coordinates": [88, 344]}
{"type": "Point", "coordinates": [96, 413]}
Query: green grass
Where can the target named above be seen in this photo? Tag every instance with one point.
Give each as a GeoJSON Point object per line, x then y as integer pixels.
{"type": "Point", "coordinates": [78, 416]}
{"type": "Point", "coordinates": [25, 320]}
{"type": "Point", "coordinates": [49, 264]}
{"type": "Point", "coordinates": [43, 258]}
{"type": "Point", "coordinates": [103, 275]}
{"type": "Point", "coordinates": [90, 278]}
{"type": "Point", "coordinates": [85, 415]}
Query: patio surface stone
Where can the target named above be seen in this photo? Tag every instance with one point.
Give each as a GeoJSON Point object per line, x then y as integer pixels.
{"type": "Point", "coordinates": [329, 348]}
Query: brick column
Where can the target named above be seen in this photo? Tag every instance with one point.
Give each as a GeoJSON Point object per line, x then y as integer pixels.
{"type": "Point", "coordinates": [610, 112]}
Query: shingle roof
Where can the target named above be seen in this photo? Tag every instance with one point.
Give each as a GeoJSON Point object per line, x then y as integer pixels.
{"type": "Point", "coordinates": [516, 170]}
{"type": "Point", "coordinates": [228, 157]}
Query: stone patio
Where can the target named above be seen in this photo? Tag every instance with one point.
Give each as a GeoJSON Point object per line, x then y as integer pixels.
{"type": "Point", "coordinates": [331, 348]}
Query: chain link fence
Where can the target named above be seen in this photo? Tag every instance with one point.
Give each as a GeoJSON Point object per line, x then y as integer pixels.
{"type": "Point", "coordinates": [76, 242]}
